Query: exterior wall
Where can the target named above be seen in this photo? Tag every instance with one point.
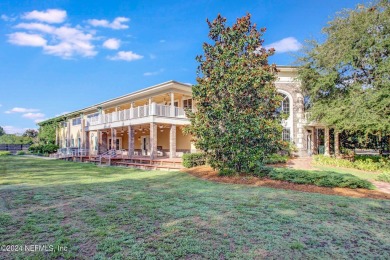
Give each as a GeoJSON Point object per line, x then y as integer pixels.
{"type": "Point", "coordinates": [183, 142]}
{"type": "Point", "coordinates": [288, 85]}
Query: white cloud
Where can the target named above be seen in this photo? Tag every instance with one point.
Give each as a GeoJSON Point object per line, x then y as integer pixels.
{"type": "Point", "coordinates": [63, 41]}
{"type": "Point", "coordinates": [48, 16]}
{"type": "Point", "coordinates": [36, 27]}
{"type": "Point", "coordinates": [14, 130]}
{"type": "Point", "coordinates": [34, 115]}
{"type": "Point", "coordinates": [69, 42]}
{"type": "Point", "coordinates": [21, 110]}
{"type": "Point", "coordinates": [7, 18]}
{"type": "Point", "coordinates": [116, 24]}
{"type": "Point", "coordinates": [153, 73]}
{"type": "Point", "coordinates": [288, 44]}
{"type": "Point", "coordinates": [126, 55]}
{"type": "Point", "coordinates": [25, 39]}
{"type": "Point", "coordinates": [112, 44]}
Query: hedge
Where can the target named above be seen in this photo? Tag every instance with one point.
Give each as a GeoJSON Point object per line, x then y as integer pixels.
{"type": "Point", "coordinates": [323, 178]}
{"type": "Point", "coordinates": [362, 162]}
{"type": "Point", "coordinates": [5, 153]}
{"type": "Point", "coordinates": [193, 159]}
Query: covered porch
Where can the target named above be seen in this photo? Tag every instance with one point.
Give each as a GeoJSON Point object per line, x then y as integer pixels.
{"type": "Point", "coordinates": [150, 141]}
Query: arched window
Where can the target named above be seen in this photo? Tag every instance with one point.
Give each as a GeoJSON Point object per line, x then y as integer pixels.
{"type": "Point", "coordinates": [285, 108]}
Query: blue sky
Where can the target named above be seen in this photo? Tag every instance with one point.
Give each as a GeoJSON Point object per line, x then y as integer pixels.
{"type": "Point", "coordinates": [60, 56]}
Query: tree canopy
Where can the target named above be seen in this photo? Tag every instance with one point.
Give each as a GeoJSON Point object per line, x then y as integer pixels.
{"type": "Point", "coordinates": [347, 77]}
{"type": "Point", "coordinates": [2, 132]}
{"type": "Point", "coordinates": [236, 122]}
{"type": "Point", "coordinates": [31, 133]}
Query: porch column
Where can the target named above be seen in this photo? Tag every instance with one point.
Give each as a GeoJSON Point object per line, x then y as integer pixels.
{"type": "Point", "coordinates": [172, 104]}
{"type": "Point", "coordinates": [131, 110]}
{"type": "Point", "coordinates": [98, 142]}
{"type": "Point", "coordinates": [336, 143]}
{"type": "Point", "coordinates": [87, 143]}
{"type": "Point", "coordinates": [68, 134]}
{"type": "Point", "coordinates": [131, 141]}
{"type": "Point", "coordinates": [153, 140]}
{"type": "Point", "coordinates": [113, 135]}
{"type": "Point", "coordinates": [83, 133]}
{"type": "Point", "coordinates": [314, 141]}
{"type": "Point", "coordinates": [172, 142]}
{"type": "Point", "coordinates": [327, 143]}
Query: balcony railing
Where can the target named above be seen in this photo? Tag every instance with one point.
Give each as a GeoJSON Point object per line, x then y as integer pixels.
{"type": "Point", "coordinates": [137, 112]}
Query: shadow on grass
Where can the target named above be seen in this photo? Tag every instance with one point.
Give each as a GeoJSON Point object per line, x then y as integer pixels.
{"type": "Point", "coordinates": [117, 212]}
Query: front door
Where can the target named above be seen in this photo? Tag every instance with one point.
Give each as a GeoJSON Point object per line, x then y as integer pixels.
{"type": "Point", "coordinates": [145, 145]}
{"type": "Point", "coordinates": [118, 144]}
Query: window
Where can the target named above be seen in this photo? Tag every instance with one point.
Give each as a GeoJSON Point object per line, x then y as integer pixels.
{"type": "Point", "coordinates": [187, 103]}
{"type": "Point", "coordinates": [72, 143]}
{"type": "Point", "coordinates": [93, 115]}
{"type": "Point", "coordinates": [79, 143]}
{"type": "Point", "coordinates": [63, 124]}
{"type": "Point", "coordinates": [286, 134]}
{"type": "Point", "coordinates": [96, 143]}
{"type": "Point", "coordinates": [76, 121]}
{"type": "Point", "coordinates": [66, 143]}
{"type": "Point", "coordinates": [285, 108]}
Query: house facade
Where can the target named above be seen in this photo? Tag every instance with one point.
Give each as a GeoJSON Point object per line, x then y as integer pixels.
{"type": "Point", "coordinates": [150, 122]}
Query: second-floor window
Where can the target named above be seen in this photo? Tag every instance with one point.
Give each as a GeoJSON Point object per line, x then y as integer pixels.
{"type": "Point", "coordinates": [285, 104]}
{"type": "Point", "coordinates": [187, 103]}
{"type": "Point", "coordinates": [76, 121]}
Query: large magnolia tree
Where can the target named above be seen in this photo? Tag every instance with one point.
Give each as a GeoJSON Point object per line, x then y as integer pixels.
{"type": "Point", "coordinates": [347, 76]}
{"type": "Point", "coordinates": [237, 123]}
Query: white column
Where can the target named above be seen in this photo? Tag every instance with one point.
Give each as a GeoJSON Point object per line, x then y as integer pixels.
{"type": "Point", "coordinates": [131, 141]}
{"type": "Point", "coordinates": [131, 110]}
{"type": "Point", "coordinates": [112, 138]}
{"type": "Point", "coordinates": [172, 104]}
{"type": "Point", "coordinates": [68, 134]}
{"type": "Point", "coordinates": [327, 143]}
{"type": "Point", "coordinates": [172, 142]}
{"type": "Point", "coordinates": [336, 143]}
{"type": "Point", "coordinates": [153, 140]}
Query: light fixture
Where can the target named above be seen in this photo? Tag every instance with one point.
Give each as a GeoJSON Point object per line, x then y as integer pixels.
{"type": "Point", "coordinates": [162, 130]}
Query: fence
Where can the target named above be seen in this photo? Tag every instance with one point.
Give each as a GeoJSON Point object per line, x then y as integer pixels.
{"type": "Point", "coordinates": [13, 148]}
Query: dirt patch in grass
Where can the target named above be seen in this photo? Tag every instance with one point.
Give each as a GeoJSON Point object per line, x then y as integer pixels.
{"type": "Point", "coordinates": [207, 173]}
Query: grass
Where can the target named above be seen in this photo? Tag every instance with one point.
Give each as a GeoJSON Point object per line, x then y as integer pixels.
{"type": "Point", "coordinates": [106, 212]}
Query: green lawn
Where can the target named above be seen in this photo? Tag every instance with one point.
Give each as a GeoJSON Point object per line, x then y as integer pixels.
{"type": "Point", "coordinates": [103, 212]}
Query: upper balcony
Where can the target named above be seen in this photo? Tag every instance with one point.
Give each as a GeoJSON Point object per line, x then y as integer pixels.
{"type": "Point", "coordinates": [140, 114]}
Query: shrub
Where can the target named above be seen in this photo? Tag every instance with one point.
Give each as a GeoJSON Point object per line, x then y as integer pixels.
{"type": "Point", "coordinates": [227, 172]}
{"type": "Point", "coordinates": [21, 153]}
{"type": "Point", "coordinates": [324, 179]}
{"type": "Point", "coordinates": [384, 177]}
{"type": "Point", "coordinates": [276, 158]}
{"type": "Point", "coordinates": [43, 148]}
{"type": "Point", "coordinates": [5, 153]}
{"type": "Point", "coordinates": [194, 159]}
{"type": "Point", "coordinates": [362, 162]}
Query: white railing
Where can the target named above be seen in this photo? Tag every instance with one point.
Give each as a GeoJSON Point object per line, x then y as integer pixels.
{"type": "Point", "coordinates": [137, 112]}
